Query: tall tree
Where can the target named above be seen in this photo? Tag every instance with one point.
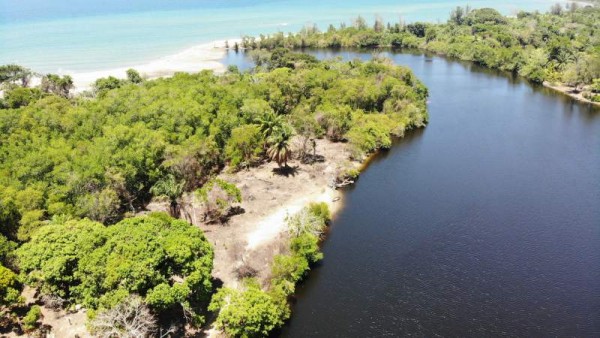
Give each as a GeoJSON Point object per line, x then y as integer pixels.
{"type": "Point", "coordinates": [172, 189]}
{"type": "Point", "coordinates": [15, 74]}
{"type": "Point", "coordinates": [269, 124]}
{"type": "Point", "coordinates": [55, 84]}
{"type": "Point", "coordinates": [279, 149]}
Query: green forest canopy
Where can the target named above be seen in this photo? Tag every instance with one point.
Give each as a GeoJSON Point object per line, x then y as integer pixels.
{"type": "Point", "coordinates": [98, 158]}
{"type": "Point", "coordinates": [85, 262]}
{"type": "Point", "coordinates": [559, 46]}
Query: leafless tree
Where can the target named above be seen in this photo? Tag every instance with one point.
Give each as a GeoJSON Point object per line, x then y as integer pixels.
{"type": "Point", "coordinates": [129, 319]}
{"type": "Point", "coordinates": [54, 302]}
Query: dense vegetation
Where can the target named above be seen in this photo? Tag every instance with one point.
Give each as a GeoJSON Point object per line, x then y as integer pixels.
{"type": "Point", "coordinates": [562, 46]}
{"type": "Point", "coordinates": [74, 170]}
{"type": "Point", "coordinates": [101, 157]}
{"type": "Point", "coordinates": [85, 262]}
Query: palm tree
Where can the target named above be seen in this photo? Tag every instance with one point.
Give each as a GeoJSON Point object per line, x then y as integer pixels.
{"type": "Point", "coordinates": [172, 189]}
{"type": "Point", "coordinates": [279, 149]}
{"type": "Point", "coordinates": [269, 124]}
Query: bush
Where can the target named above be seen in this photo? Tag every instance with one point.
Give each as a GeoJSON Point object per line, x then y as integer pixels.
{"type": "Point", "coordinates": [305, 222]}
{"type": "Point", "coordinates": [320, 210]}
{"type": "Point", "coordinates": [305, 228]}
{"type": "Point", "coordinates": [244, 146]}
{"type": "Point", "coordinates": [287, 271]}
{"type": "Point", "coordinates": [218, 197]}
{"type": "Point", "coordinates": [20, 97]}
{"type": "Point", "coordinates": [7, 249]}
{"type": "Point", "coordinates": [371, 132]}
{"type": "Point", "coordinates": [251, 312]}
{"type": "Point", "coordinates": [51, 259]}
{"type": "Point", "coordinates": [30, 321]}
{"type": "Point", "coordinates": [134, 76]}
{"type": "Point", "coordinates": [103, 85]}
{"type": "Point", "coordinates": [307, 246]}
{"type": "Point", "coordinates": [485, 16]}
{"type": "Point", "coordinates": [417, 29]}
{"type": "Point", "coordinates": [164, 296]}
{"type": "Point", "coordinates": [596, 86]}
{"type": "Point", "coordinates": [9, 288]}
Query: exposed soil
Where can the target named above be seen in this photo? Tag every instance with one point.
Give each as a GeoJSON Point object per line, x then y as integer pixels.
{"type": "Point", "coordinates": [248, 242]}
{"type": "Point", "coordinates": [59, 323]}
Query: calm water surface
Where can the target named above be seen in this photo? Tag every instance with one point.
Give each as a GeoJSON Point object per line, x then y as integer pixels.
{"type": "Point", "coordinates": [486, 223]}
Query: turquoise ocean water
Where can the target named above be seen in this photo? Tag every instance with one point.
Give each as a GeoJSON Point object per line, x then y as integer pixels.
{"type": "Point", "coordinates": [86, 35]}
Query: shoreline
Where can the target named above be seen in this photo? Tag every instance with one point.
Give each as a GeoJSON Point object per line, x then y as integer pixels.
{"type": "Point", "coordinates": [208, 56]}
{"type": "Point", "coordinates": [254, 238]}
{"type": "Point", "coordinates": [568, 91]}
{"type": "Point", "coordinates": [205, 56]}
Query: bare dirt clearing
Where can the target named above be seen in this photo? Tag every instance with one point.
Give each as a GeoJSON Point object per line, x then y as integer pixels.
{"type": "Point", "coordinates": [251, 239]}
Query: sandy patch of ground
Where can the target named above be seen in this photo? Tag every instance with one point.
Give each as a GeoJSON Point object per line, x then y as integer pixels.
{"type": "Point", "coordinates": [59, 323]}
{"type": "Point", "coordinates": [253, 238]}
{"type": "Point", "coordinates": [570, 91]}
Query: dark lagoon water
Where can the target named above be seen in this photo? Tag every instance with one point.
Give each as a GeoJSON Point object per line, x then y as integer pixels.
{"type": "Point", "coordinates": [486, 223]}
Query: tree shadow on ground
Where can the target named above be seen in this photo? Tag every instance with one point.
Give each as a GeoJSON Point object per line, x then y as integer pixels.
{"type": "Point", "coordinates": [312, 159]}
{"type": "Point", "coordinates": [286, 171]}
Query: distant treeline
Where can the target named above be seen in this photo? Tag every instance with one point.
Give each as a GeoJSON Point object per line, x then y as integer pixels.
{"type": "Point", "coordinates": [561, 46]}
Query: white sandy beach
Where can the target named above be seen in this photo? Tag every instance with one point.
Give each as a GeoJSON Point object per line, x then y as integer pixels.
{"type": "Point", "coordinates": [205, 56]}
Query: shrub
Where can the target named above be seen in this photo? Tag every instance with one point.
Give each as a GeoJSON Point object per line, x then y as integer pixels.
{"type": "Point", "coordinates": [51, 259]}
{"type": "Point", "coordinates": [7, 249]}
{"type": "Point", "coordinates": [288, 270]}
{"type": "Point", "coordinates": [19, 97]}
{"type": "Point", "coordinates": [244, 146]}
{"type": "Point", "coordinates": [251, 312]}
{"type": "Point", "coordinates": [305, 222]}
{"type": "Point", "coordinates": [218, 196]}
{"type": "Point", "coordinates": [134, 76]}
{"type": "Point", "coordinates": [320, 210]}
{"type": "Point", "coordinates": [164, 296]}
{"type": "Point", "coordinates": [596, 86]}
{"type": "Point", "coordinates": [335, 120]}
{"type": "Point", "coordinates": [305, 228]}
{"type": "Point", "coordinates": [371, 132]}
{"type": "Point", "coordinates": [103, 85]}
{"type": "Point", "coordinates": [485, 16]}
{"type": "Point", "coordinates": [101, 206]}
{"type": "Point", "coordinates": [30, 321]}
{"type": "Point", "coordinates": [9, 288]}
{"type": "Point", "coordinates": [307, 246]}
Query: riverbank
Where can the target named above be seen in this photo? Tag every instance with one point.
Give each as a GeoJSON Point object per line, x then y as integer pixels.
{"type": "Point", "coordinates": [248, 243]}
{"type": "Point", "coordinates": [570, 91]}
